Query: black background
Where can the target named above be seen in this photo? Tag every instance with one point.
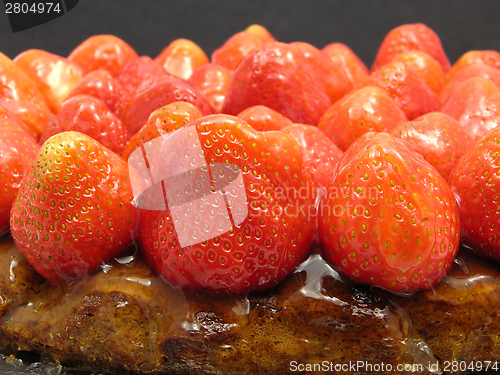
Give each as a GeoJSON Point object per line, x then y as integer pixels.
{"type": "Point", "coordinates": [150, 25]}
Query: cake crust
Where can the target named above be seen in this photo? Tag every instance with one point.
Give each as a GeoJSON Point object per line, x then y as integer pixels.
{"type": "Point", "coordinates": [125, 318]}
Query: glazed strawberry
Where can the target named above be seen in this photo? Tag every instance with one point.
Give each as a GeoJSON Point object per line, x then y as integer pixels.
{"type": "Point", "coordinates": [90, 116]}
{"type": "Point", "coordinates": [336, 81]}
{"type": "Point", "coordinates": [466, 72]}
{"type": "Point", "coordinates": [73, 210]}
{"type": "Point", "coordinates": [157, 92]}
{"type": "Point", "coordinates": [364, 110]}
{"type": "Point", "coordinates": [475, 182]}
{"type": "Point", "coordinates": [19, 95]}
{"type": "Point", "coordinates": [213, 82]}
{"type": "Point", "coordinates": [320, 156]}
{"type": "Point", "coordinates": [230, 54]}
{"type": "Point", "coordinates": [438, 138]}
{"type": "Point", "coordinates": [162, 121]}
{"type": "Point", "coordinates": [475, 104]}
{"type": "Point", "coordinates": [389, 218]}
{"type": "Point", "coordinates": [491, 58]}
{"type": "Point", "coordinates": [17, 151]}
{"type": "Point", "coordinates": [181, 58]}
{"type": "Point", "coordinates": [54, 76]}
{"type": "Point", "coordinates": [106, 52]}
{"type": "Point", "coordinates": [261, 31]}
{"type": "Point", "coordinates": [427, 68]}
{"type": "Point", "coordinates": [101, 85]}
{"type": "Point", "coordinates": [6, 115]}
{"type": "Point", "coordinates": [262, 118]}
{"type": "Point", "coordinates": [411, 37]}
{"type": "Point", "coordinates": [275, 75]}
{"type": "Point", "coordinates": [403, 84]}
{"type": "Point", "coordinates": [137, 71]}
{"type": "Point", "coordinates": [267, 234]}
{"type": "Point", "coordinates": [343, 58]}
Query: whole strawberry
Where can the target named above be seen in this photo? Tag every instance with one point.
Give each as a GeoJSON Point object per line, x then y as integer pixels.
{"type": "Point", "coordinates": [106, 52]}
{"type": "Point", "coordinates": [320, 156]}
{"type": "Point", "coordinates": [158, 91]}
{"type": "Point", "coordinates": [92, 117]}
{"type": "Point", "coordinates": [411, 37]}
{"type": "Point", "coordinates": [275, 75]}
{"type": "Point", "coordinates": [343, 58]}
{"type": "Point", "coordinates": [439, 138]}
{"type": "Point", "coordinates": [230, 54]}
{"type": "Point", "coordinates": [20, 96]}
{"type": "Point", "coordinates": [475, 181]}
{"type": "Point", "coordinates": [54, 75]}
{"type": "Point", "coordinates": [488, 57]}
{"type": "Point", "coordinates": [73, 210]}
{"type": "Point", "coordinates": [237, 221]}
{"type": "Point", "coordinates": [463, 74]}
{"type": "Point", "coordinates": [336, 81]}
{"type": "Point", "coordinates": [181, 58]}
{"type": "Point", "coordinates": [262, 118]}
{"type": "Point", "coordinates": [403, 84]}
{"type": "Point", "coordinates": [364, 110]}
{"type": "Point", "coordinates": [17, 151]}
{"type": "Point", "coordinates": [475, 104]}
{"type": "Point", "coordinates": [427, 68]}
{"type": "Point", "coordinates": [137, 71]}
{"type": "Point", "coordinates": [162, 121]}
{"type": "Point", "coordinates": [212, 81]}
{"type": "Point", "coordinates": [101, 85]}
{"type": "Point", "coordinates": [389, 218]}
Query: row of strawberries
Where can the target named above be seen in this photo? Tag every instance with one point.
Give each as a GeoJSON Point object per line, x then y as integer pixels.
{"type": "Point", "coordinates": [386, 215]}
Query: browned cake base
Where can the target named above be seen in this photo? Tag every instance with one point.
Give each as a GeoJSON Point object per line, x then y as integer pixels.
{"type": "Point", "coordinates": [128, 319]}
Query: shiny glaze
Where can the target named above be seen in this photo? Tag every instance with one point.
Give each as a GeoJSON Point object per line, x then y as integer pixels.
{"type": "Point", "coordinates": [306, 318]}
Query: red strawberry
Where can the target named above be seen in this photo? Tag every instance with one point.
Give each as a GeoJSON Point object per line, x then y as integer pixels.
{"type": "Point", "coordinates": [336, 81]}
{"type": "Point", "coordinates": [106, 52]}
{"type": "Point", "coordinates": [475, 104]}
{"type": "Point", "coordinates": [491, 58]}
{"type": "Point", "coordinates": [6, 115]}
{"type": "Point", "coordinates": [73, 210]}
{"type": "Point", "coordinates": [427, 68]}
{"type": "Point", "coordinates": [438, 138]}
{"type": "Point", "coordinates": [213, 82]}
{"type": "Point", "coordinates": [157, 92]}
{"type": "Point", "coordinates": [162, 121]}
{"type": "Point", "coordinates": [411, 37]}
{"type": "Point", "coordinates": [389, 218]}
{"type": "Point", "coordinates": [196, 245]}
{"type": "Point", "coordinates": [262, 118]}
{"type": "Point", "coordinates": [343, 58]}
{"type": "Point", "coordinates": [403, 84]}
{"type": "Point", "coordinates": [261, 31]}
{"type": "Point", "coordinates": [466, 72]}
{"type": "Point", "coordinates": [19, 95]}
{"type": "Point", "coordinates": [364, 110]}
{"type": "Point", "coordinates": [17, 150]}
{"type": "Point", "coordinates": [230, 54]}
{"type": "Point", "coordinates": [101, 85]}
{"type": "Point", "coordinates": [475, 182]}
{"type": "Point", "coordinates": [92, 117]}
{"type": "Point", "coordinates": [54, 76]}
{"type": "Point", "coordinates": [320, 156]}
{"type": "Point", "coordinates": [137, 71]}
{"type": "Point", "coordinates": [275, 75]}
{"type": "Point", "coordinates": [181, 58]}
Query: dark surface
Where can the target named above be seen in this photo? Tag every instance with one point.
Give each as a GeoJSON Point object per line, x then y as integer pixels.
{"type": "Point", "coordinates": [150, 25]}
